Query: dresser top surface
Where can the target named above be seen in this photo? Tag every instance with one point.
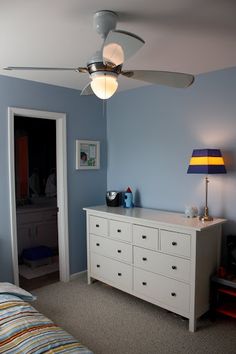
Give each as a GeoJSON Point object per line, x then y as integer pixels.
{"type": "Point", "coordinates": [158, 216]}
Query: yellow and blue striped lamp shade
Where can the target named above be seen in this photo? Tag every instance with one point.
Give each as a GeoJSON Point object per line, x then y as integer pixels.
{"type": "Point", "coordinates": [207, 161]}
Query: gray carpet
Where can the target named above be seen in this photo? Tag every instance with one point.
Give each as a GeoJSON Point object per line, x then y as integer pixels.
{"type": "Point", "coordinates": [109, 321]}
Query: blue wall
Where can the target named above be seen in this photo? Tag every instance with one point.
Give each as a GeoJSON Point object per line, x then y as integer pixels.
{"type": "Point", "coordinates": [152, 132]}
{"type": "Point", "coordinates": [85, 120]}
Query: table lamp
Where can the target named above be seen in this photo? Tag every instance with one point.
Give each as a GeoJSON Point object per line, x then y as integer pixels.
{"type": "Point", "coordinates": [206, 161]}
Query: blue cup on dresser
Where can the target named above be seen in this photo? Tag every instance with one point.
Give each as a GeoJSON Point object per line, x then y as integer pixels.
{"type": "Point", "coordinates": [128, 200]}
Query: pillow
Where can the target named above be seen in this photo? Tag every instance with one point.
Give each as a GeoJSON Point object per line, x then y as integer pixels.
{"type": "Point", "coordinates": [11, 289]}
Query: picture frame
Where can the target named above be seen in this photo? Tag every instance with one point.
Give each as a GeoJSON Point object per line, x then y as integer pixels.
{"type": "Point", "coordinates": [87, 155]}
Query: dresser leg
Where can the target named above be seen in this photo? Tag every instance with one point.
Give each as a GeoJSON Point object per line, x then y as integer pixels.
{"type": "Point", "coordinates": [89, 280]}
{"type": "Point", "coordinates": [192, 325]}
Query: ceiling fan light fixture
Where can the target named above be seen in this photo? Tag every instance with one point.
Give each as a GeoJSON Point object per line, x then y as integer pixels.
{"type": "Point", "coordinates": [103, 84]}
{"type": "Point", "coordinates": [114, 53]}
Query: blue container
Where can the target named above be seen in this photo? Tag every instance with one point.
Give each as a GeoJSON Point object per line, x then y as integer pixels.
{"type": "Point", "coordinates": [36, 253]}
{"type": "Point", "coordinates": [128, 200]}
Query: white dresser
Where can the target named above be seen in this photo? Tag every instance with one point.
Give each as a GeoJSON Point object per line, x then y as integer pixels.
{"type": "Point", "coordinates": [161, 257]}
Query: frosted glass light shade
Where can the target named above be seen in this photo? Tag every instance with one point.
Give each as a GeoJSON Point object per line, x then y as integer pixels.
{"type": "Point", "coordinates": [104, 85]}
{"type": "Point", "coordinates": [114, 53]}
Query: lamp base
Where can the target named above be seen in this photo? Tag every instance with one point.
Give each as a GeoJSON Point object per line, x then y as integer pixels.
{"type": "Point", "coordinates": [206, 216]}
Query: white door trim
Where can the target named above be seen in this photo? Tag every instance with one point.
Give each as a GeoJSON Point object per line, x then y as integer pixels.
{"type": "Point", "coordinates": [62, 195]}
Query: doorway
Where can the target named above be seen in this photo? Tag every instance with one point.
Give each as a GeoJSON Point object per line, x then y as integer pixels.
{"type": "Point", "coordinates": [30, 230]}
{"type": "Point", "coordinates": [36, 201]}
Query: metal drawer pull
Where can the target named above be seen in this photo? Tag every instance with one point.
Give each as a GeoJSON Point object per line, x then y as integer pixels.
{"type": "Point", "coordinates": [174, 243]}
{"type": "Point", "coordinates": [97, 244]}
{"type": "Point", "coordinates": [119, 251]}
{"type": "Point", "coordinates": [119, 274]}
{"type": "Point", "coordinates": [144, 283]}
{"type": "Point", "coordinates": [97, 225]}
{"type": "Point", "coordinates": [174, 267]}
{"type": "Point", "coordinates": [144, 259]}
{"type": "Point", "coordinates": [118, 230]}
{"type": "Point", "coordinates": [173, 294]}
{"type": "Point", "coordinates": [98, 265]}
{"type": "Point", "coordinates": [144, 237]}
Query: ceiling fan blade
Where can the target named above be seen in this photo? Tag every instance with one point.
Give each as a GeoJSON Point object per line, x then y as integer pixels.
{"type": "Point", "coordinates": [87, 90]}
{"type": "Point", "coordinates": [80, 69]}
{"type": "Point", "coordinates": [120, 45]}
{"type": "Point", "coordinates": [167, 78]}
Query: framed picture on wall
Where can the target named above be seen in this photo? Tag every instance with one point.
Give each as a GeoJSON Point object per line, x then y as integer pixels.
{"type": "Point", "coordinates": [87, 155]}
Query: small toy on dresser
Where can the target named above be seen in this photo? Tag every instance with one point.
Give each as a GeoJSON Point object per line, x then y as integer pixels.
{"type": "Point", "coordinates": [191, 211]}
{"type": "Point", "coordinates": [128, 198]}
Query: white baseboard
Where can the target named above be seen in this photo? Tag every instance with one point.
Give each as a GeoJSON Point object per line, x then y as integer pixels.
{"type": "Point", "coordinates": [75, 276]}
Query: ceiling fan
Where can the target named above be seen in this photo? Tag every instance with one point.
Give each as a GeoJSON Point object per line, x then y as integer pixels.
{"type": "Point", "coordinates": [106, 64]}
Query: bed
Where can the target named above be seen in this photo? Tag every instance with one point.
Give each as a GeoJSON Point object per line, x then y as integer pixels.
{"type": "Point", "coordinates": [24, 330]}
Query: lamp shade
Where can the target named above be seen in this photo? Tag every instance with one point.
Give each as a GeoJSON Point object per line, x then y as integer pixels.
{"type": "Point", "coordinates": [104, 85]}
{"type": "Point", "coordinates": [206, 161]}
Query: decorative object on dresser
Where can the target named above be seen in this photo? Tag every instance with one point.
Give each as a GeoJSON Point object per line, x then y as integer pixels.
{"type": "Point", "coordinates": [191, 211]}
{"type": "Point", "coordinates": [206, 161]}
{"type": "Point", "coordinates": [128, 198]}
{"type": "Point", "coordinates": [87, 155]}
{"type": "Point", "coordinates": [161, 257]}
{"type": "Point", "coordinates": [113, 198]}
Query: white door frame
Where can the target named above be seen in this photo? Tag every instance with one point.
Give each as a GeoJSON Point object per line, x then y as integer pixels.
{"type": "Point", "coordinates": [62, 195]}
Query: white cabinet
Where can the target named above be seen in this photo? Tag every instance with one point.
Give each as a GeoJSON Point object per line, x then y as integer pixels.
{"type": "Point", "coordinates": [36, 226]}
{"type": "Point", "coordinates": [164, 258]}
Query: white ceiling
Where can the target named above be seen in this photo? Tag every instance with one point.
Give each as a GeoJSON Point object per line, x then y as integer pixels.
{"type": "Point", "coordinates": [192, 36]}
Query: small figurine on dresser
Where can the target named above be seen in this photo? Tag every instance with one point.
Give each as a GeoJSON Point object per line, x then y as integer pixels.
{"type": "Point", "coordinates": [128, 198]}
{"type": "Point", "coordinates": [191, 211]}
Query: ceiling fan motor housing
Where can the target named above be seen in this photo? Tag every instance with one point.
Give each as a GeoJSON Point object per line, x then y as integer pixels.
{"type": "Point", "coordinates": [96, 67]}
{"type": "Point", "coordinates": [96, 64]}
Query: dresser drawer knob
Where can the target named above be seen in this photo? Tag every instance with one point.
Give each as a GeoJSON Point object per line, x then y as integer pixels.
{"type": "Point", "coordinates": [174, 243]}
{"type": "Point", "coordinates": [144, 237]}
{"type": "Point", "coordinates": [174, 267]}
{"type": "Point", "coordinates": [119, 274]}
{"type": "Point", "coordinates": [173, 294]}
{"type": "Point", "coordinates": [119, 251]}
{"type": "Point", "coordinates": [119, 230]}
{"type": "Point", "coordinates": [144, 283]}
{"type": "Point", "coordinates": [98, 265]}
{"type": "Point", "coordinates": [97, 225]}
{"type": "Point", "coordinates": [144, 259]}
{"type": "Point", "coordinates": [97, 244]}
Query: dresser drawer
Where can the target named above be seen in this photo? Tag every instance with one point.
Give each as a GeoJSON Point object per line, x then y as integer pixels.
{"type": "Point", "coordinates": [110, 248]}
{"type": "Point", "coordinates": [175, 243]}
{"type": "Point", "coordinates": [120, 230]}
{"type": "Point", "coordinates": [160, 263]}
{"type": "Point", "coordinates": [117, 273]}
{"type": "Point", "coordinates": [167, 291]}
{"type": "Point", "coordinates": [145, 237]}
{"type": "Point", "coordinates": [98, 226]}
